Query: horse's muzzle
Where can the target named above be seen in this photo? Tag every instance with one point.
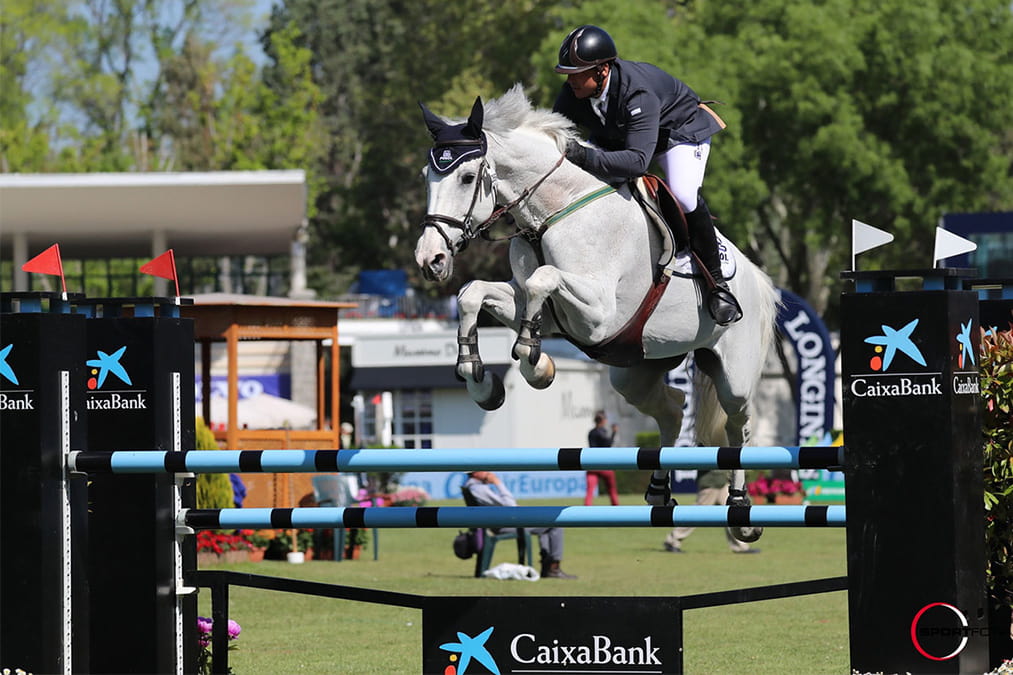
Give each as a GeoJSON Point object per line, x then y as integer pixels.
{"type": "Point", "coordinates": [437, 268]}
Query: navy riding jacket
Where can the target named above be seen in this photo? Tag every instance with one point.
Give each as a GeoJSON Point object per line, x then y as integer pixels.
{"type": "Point", "coordinates": [648, 111]}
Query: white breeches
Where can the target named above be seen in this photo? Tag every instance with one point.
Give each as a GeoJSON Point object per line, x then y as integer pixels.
{"type": "Point", "coordinates": [684, 165]}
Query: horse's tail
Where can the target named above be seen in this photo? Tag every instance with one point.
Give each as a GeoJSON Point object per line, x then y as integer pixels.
{"type": "Point", "coordinates": [768, 302]}
{"type": "Point", "coordinates": [710, 417]}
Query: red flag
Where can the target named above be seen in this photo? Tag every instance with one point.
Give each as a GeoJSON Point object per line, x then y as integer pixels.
{"type": "Point", "coordinates": [47, 262]}
{"type": "Point", "coordinates": [163, 266]}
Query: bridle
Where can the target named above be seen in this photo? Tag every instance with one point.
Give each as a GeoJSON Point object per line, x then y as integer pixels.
{"type": "Point", "coordinates": [466, 225]}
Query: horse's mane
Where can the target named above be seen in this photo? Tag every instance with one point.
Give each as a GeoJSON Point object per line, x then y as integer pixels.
{"type": "Point", "coordinates": [513, 111]}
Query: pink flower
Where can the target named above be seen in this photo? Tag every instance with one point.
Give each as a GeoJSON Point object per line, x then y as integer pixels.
{"type": "Point", "coordinates": [234, 629]}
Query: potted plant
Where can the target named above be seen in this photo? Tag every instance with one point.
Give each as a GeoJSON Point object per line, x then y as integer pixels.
{"type": "Point", "coordinates": [259, 540]}
{"type": "Point", "coordinates": [409, 496]}
{"type": "Point", "coordinates": [280, 546]}
{"type": "Point", "coordinates": [217, 546]}
{"type": "Point", "coordinates": [996, 372]}
{"type": "Point", "coordinates": [204, 627]}
{"type": "Point", "coordinates": [355, 539]}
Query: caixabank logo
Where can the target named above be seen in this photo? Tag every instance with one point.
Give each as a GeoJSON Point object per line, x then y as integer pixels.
{"type": "Point", "coordinates": [896, 366]}
{"type": "Point", "coordinates": [13, 396]}
{"type": "Point", "coordinates": [109, 384]}
{"type": "Point", "coordinates": [965, 378]}
{"type": "Point", "coordinates": [466, 648]}
{"type": "Point", "coordinates": [532, 652]}
{"type": "Point", "coordinates": [615, 635]}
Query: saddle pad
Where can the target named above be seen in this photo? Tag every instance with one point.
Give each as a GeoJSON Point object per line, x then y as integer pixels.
{"type": "Point", "coordinates": [649, 195]}
{"type": "Point", "coordinates": [682, 264]}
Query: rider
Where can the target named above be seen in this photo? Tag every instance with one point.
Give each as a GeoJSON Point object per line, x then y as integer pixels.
{"type": "Point", "coordinates": [636, 112]}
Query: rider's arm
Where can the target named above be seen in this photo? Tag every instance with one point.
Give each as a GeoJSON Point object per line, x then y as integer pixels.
{"type": "Point", "coordinates": [486, 496]}
{"type": "Point", "coordinates": [642, 117]}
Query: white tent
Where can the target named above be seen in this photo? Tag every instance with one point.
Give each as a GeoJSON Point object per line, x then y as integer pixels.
{"type": "Point", "coordinates": [263, 411]}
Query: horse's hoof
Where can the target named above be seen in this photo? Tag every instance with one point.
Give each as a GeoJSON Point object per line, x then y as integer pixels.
{"type": "Point", "coordinates": [496, 397]}
{"type": "Point", "coordinates": [747, 534]}
{"type": "Point", "coordinates": [743, 534]}
{"type": "Point", "coordinates": [549, 377]}
{"type": "Point", "coordinates": [658, 494]}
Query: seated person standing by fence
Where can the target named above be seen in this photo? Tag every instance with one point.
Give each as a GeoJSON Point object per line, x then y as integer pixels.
{"type": "Point", "coordinates": [488, 490]}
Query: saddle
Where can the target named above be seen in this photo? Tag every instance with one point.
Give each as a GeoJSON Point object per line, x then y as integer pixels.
{"type": "Point", "coordinates": [664, 211]}
{"type": "Point", "coordinates": [626, 348]}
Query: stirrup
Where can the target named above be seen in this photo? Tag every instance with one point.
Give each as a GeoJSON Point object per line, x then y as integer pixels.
{"type": "Point", "coordinates": [723, 306]}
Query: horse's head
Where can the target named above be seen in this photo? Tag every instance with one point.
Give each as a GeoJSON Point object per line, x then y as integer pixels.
{"type": "Point", "coordinates": [460, 189]}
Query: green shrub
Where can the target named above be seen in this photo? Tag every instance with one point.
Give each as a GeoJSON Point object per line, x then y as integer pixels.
{"type": "Point", "coordinates": [214, 490]}
{"type": "Point", "coordinates": [997, 427]}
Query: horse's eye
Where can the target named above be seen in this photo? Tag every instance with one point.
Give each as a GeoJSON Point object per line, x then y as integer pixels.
{"type": "Point", "coordinates": [468, 178]}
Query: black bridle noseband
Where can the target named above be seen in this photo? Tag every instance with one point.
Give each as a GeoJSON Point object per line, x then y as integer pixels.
{"type": "Point", "coordinates": [467, 225]}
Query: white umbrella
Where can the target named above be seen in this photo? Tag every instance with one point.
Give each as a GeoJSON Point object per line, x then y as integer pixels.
{"type": "Point", "coordinates": [264, 411]}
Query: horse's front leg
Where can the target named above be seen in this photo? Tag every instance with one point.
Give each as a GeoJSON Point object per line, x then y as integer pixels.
{"type": "Point", "coordinates": [501, 299]}
{"type": "Point", "coordinates": [568, 291]}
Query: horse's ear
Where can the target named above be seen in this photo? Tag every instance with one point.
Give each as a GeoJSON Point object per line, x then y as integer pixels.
{"type": "Point", "coordinates": [434, 123]}
{"type": "Point", "coordinates": [474, 126]}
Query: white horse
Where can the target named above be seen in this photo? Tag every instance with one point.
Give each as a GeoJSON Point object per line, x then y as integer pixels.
{"type": "Point", "coordinates": [583, 262]}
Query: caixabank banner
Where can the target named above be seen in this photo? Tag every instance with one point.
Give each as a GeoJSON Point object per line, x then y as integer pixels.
{"type": "Point", "coordinates": [475, 635]}
{"type": "Point", "coordinates": [137, 371]}
{"type": "Point", "coordinates": [40, 378]}
{"type": "Point", "coordinates": [128, 386]}
{"type": "Point", "coordinates": [913, 471]}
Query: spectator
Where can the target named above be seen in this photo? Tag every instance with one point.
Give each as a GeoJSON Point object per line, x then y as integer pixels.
{"type": "Point", "coordinates": [599, 437]}
{"type": "Point", "coordinates": [488, 490]}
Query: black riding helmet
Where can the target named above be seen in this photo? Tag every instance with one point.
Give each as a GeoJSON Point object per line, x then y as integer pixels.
{"type": "Point", "coordinates": [584, 48]}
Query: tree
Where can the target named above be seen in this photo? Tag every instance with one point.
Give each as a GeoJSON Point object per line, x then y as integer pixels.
{"type": "Point", "coordinates": [28, 30]}
{"type": "Point", "coordinates": [883, 111]}
{"type": "Point", "coordinates": [374, 60]}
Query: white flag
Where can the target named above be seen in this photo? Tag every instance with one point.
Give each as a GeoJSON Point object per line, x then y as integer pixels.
{"type": "Point", "coordinates": [949, 244]}
{"type": "Point", "coordinates": [865, 237]}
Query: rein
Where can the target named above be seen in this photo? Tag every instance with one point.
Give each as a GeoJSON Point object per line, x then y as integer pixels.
{"type": "Point", "coordinates": [465, 225]}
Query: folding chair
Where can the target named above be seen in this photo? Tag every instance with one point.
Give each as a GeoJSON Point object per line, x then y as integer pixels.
{"type": "Point", "coordinates": [486, 540]}
{"type": "Point", "coordinates": [333, 490]}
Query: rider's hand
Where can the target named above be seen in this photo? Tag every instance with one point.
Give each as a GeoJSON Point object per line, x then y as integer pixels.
{"type": "Point", "coordinates": [576, 153]}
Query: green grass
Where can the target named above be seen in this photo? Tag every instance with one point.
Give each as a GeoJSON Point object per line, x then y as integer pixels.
{"type": "Point", "coordinates": [287, 633]}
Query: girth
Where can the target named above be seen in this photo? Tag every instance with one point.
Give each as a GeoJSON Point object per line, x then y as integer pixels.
{"type": "Point", "coordinates": [626, 348]}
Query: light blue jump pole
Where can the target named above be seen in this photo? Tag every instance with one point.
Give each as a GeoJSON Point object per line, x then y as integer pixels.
{"type": "Point", "coordinates": [514, 516]}
{"type": "Point", "coordinates": [457, 459]}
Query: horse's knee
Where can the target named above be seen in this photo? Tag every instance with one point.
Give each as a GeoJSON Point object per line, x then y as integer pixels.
{"type": "Point", "coordinates": [470, 298]}
{"type": "Point", "coordinates": [542, 282]}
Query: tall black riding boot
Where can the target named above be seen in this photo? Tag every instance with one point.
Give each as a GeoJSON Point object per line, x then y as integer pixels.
{"type": "Point", "coordinates": [721, 304]}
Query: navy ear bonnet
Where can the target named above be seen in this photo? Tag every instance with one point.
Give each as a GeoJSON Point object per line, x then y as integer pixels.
{"type": "Point", "coordinates": [455, 143]}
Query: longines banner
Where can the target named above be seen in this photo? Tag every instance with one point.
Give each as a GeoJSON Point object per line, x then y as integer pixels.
{"type": "Point", "coordinates": [473, 635]}
{"type": "Point", "coordinates": [804, 329]}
